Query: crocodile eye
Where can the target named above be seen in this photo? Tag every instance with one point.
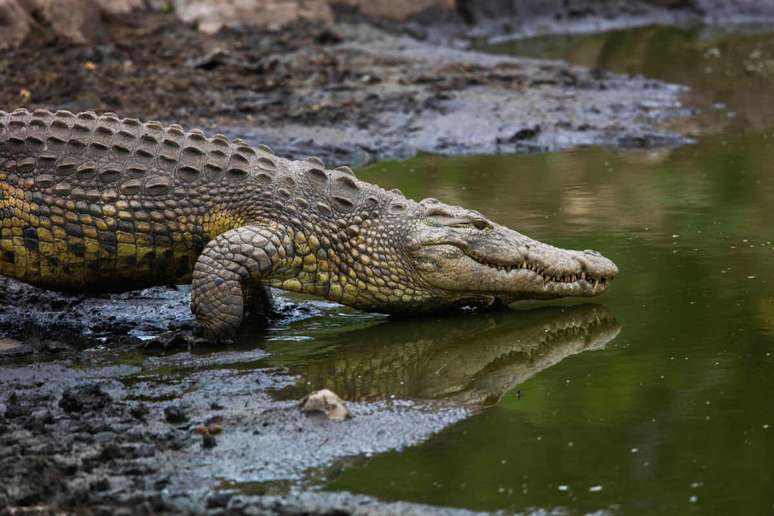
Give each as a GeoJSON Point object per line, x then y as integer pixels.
{"type": "Point", "coordinates": [440, 217]}
{"type": "Point", "coordinates": [481, 224]}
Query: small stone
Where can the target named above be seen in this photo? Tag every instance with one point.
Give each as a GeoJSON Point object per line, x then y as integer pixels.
{"type": "Point", "coordinates": [84, 398]}
{"type": "Point", "coordinates": [219, 500]}
{"type": "Point", "coordinates": [208, 441]}
{"type": "Point", "coordinates": [326, 402]}
{"type": "Point", "coordinates": [175, 415]}
{"type": "Point", "coordinates": [139, 411]}
{"type": "Point", "coordinates": [14, 348]}
{"type": "Point", "coordinates": [7, 344]}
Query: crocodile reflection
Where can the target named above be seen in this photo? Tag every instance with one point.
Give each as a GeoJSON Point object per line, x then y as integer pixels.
{"type": "Point", "coordinates": [470, 360]}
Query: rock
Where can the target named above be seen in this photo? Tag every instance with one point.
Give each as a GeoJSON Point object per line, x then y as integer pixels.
{"type": "Point", "coordinates": [119, 6]}
{"type": "Point", "coordinates": [326, 402]}
{"type": "Point", "coordinates": [75, 20]}
{"type": "Point", "coordinates": [14, 23]}
{"type": "Point", "coordinates": [84, 398]}
{"type": "Point", "coordinates": [212, 15]}
{"type": "Point", "coordinates": [79, 21]}
{"type": "Point", "coordinates": [175, 415]}
{"type": "Point", "coordinates": [9, 345]}
{"type": "Point", "coordinates": [398, 10]}
{"type": "Point", "coordinates": [209, 61]}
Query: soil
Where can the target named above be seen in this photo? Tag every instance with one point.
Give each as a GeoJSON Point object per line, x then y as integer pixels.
{"type": "Point", "coordinates": [108, 439]}
{"type": "Point", "coordinates": [350, 93]}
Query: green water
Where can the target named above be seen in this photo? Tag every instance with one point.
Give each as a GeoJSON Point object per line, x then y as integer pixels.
{"type": "Point", "coordinates": [669, 410]}
{"type": "Point", "coordinates": [680, 404]}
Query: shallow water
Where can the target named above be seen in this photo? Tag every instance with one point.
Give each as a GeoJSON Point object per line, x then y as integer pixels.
{"type": "Point", "coordinates": [667, 410]}
{"type": "Point", "coordinates": [679, 404]}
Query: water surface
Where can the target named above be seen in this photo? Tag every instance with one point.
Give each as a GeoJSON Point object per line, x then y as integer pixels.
{"type": "Point", "coordinates": [671, 411]}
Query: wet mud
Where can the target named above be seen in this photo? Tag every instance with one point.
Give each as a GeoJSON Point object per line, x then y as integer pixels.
{"type": "Point", "coordinates": [92, 431]}
{"type": "Point", "coordinates": [351, 93]}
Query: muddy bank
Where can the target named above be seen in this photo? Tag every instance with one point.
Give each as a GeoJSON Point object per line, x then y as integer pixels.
{"type": "Point", "coordinates": [351, 93]}
{"type": "Point", "coordinates": [42, 321]}
{"type": "Point", "coordinates": [92, 439]}
{"type": "Point", "coordinates": [400, 97]}
{"type": "Point", "coordinates": [92, 431]}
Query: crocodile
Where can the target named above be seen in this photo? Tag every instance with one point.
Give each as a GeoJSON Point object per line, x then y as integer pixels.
{"type": "Point", "coordinates": [97, 203]}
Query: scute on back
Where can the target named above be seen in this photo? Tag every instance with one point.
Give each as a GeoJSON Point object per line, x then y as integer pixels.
{"type": "Point", "coordinates": [106, 152]}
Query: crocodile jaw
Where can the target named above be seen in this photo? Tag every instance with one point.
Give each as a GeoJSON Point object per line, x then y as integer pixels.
{"type": "Point", "coordinates": [507, 266]}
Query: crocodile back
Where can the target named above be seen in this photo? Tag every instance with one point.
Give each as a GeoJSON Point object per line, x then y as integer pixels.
{"type": "Point", "coordinates": [97, 199]}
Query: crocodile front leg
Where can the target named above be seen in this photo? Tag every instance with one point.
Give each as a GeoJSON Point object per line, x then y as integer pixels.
{"type": "Point", "coordinates": [227, 273]}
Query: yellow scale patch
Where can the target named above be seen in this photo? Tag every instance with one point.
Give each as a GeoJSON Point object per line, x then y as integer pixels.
{"type": "Point", "coordinates": [40, 251]}
{"type": "Point", "coordinates": [219, 221]}
{"type": "Point", "coordinates": [16, 213]}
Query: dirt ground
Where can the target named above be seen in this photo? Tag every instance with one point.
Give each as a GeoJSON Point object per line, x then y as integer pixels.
{"type": "Point", "coordinates": [110, 439]}
{"type": "Point", "coordinates": [351, 93]}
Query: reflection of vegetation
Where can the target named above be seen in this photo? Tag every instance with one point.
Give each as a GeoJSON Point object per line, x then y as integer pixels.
{"type": "Point", "coordinates": [471, 360]}
{"type": "Point", "coordinates": [733, 68]}
{"type": "Point", "coordinates": [666, 191]}
{"type": "Point", "coordinates": [767, 314]}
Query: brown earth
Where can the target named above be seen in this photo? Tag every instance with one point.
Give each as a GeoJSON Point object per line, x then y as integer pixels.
{"type": "Point", "coordinates": [350, 92]}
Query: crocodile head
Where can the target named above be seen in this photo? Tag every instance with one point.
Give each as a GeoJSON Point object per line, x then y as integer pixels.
{"type": "Point", "coordinates": [464, 259]}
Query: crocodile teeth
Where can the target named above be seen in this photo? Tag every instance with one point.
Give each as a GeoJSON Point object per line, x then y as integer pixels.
{"type": "Point", "coordinates": [543, 273]}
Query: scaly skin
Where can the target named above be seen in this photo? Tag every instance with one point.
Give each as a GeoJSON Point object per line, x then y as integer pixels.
{"type": "Point", "coordinates": [97, 203]}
